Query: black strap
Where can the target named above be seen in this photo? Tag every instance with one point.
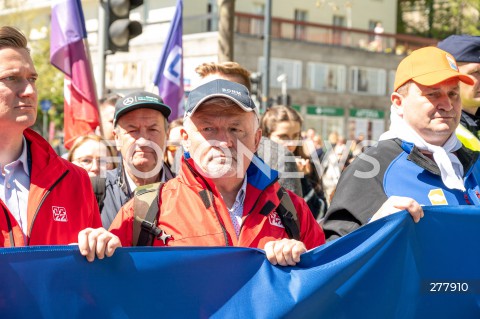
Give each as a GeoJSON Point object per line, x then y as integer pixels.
{"type": "Point", "coordinates": [205, 198]}
{"type": "Point", "coordinates": [288, 215]}
{"type": "Point", "coordinates": [267, 208]}
{"type": "Point", "coordinates": [99, 189]}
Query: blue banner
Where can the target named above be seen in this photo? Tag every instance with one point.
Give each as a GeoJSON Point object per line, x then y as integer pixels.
{"type": "Point", "coordinates": [391, 268]}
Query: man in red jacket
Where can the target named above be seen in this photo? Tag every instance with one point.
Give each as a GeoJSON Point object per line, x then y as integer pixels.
{"type": "Point", "coordinates": [44, 199]}
{"type": "Point", "coordinates": [224, 195]}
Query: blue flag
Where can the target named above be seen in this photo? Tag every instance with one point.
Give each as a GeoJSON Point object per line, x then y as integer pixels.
{"type": "Point", "coordinates": [390, 268]}
{"type": "Point", "coordinates": [169, 75]}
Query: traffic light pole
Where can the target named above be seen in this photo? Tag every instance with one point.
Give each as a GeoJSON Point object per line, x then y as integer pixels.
{"type": "Point", "coordinates": [266, 54]}
{"type": "Point", "coordinates": [101, 45]}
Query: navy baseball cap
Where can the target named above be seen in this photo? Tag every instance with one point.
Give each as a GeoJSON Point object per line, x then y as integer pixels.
{"type": "Point", "coordinates": [140, 100]}
{"type": "Point", "coordinates": [233, 91]}
{"type": "Point", "coordinates": [464, 48]}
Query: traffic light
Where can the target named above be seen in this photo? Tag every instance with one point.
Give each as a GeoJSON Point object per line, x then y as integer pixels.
{"type": "Point", "coordinates": [120, 28]}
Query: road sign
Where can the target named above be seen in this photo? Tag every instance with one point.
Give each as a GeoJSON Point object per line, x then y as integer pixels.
{"type": "Point", "coordinates": [45, 105]}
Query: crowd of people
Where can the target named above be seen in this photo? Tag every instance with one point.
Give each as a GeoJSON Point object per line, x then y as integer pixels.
{"type": "Point", "coordinates": [226, 175]}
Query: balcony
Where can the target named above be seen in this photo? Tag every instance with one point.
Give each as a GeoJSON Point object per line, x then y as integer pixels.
{"type": "Point", "coordinates": [252, 24]}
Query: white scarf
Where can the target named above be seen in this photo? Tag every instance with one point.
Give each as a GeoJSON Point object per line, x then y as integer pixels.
{"type": "Point", "coordinates": [450, 167]}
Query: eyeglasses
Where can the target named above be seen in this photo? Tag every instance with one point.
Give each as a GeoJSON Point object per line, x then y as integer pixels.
{"type": "Point", "coordinates": [87, 162]}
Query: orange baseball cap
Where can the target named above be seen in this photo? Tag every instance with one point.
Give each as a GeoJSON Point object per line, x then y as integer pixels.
{"type": "Point", "coordinates": [428, 66]}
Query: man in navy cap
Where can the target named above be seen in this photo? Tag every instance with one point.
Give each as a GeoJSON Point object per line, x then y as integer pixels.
{"type": "Point", "coordinates": [224, 194]}
{"type": "Point", "coordinates": [140, 126]}
{"type": "Point", "coordinates": [466, 50]}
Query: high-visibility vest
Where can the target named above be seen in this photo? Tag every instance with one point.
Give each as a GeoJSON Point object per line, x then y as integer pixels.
{"type": "Point", "coordinates": [468, 139]}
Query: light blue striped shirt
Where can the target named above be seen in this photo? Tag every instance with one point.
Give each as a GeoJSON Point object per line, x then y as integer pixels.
{"type": "Point", "coordinates": [15, 186]}
{"type": "Point", "coordinates": [236, 211]}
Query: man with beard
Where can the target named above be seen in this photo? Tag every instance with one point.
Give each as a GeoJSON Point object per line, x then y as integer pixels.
{"type": "Point", "coordinates": [272, 153]}
{"type": "Point", "coordinates": [225, 195]}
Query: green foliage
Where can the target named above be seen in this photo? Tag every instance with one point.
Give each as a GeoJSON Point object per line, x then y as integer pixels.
{"type": "Point", "coordinates": [438, 19]}
{"type": "Point", "coordinates": [50, 80]}
{"type": "Point", "coordinates": [49, 83]}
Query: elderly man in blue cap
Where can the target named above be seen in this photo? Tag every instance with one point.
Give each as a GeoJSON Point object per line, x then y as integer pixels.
{"type": "Point", "coordinates": [466, 50]}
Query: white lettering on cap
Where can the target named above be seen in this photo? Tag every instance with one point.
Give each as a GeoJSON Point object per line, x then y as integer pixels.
{"type": "Point", "coordinates": [230, 91]}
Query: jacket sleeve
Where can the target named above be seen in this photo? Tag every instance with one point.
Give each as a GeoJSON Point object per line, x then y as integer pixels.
{"type": "Point", "coordinates": [311, 234]}
{"type": "Point", "coordinates": [122, 225]}
{"type": "Point", "coordinates": [356, 199]}
{"type": "Point", "coordinates": [94, 219]}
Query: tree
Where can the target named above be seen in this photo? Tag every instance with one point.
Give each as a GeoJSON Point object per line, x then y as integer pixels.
{"type": "Point", "coordinates": [50, 80]}
{"type": "Point", "coordinates": [438, 18]}
{"type": "Point", "coordinates": [226, 12]}
{"type": "Point", "coordinates": [49, 83]}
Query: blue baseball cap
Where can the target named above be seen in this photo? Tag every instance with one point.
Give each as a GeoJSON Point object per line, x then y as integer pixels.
{"type": "Point", "coordinates": [464, 48]}
{"type": "Point", "coordinates": [233, 91]}
{"type": "Point", "coordinates": [140, 100]}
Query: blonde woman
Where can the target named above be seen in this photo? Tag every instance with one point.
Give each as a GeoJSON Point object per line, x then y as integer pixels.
{"type": "Point", "coordinates": [92, 153]}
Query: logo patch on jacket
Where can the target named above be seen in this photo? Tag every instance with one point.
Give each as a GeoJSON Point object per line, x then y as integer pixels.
{"type": "Point", "coordinates": [275, 220]}
{"type": "Point", "coordinates": [437, 197]}
{"type": "Point", "coordinates": [59, 214]}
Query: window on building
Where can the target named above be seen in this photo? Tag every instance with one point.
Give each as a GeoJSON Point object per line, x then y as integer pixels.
{"type": "Point", "coordinates": [391, 81]}
{"type": "Point", "coordinates": [370, 81]}
{"type": "Point", "coordinates": [209, 21]}
{"type": "Point", "coordinates": [326, 77]}
{"type": "Point", "coordinates": [337, 35]}
{"type": "Point", "coordinates": [300, 30]}
{"type": "Point", "coordinates": [291, 68]}
{"type": "Point", "coordinates": [371, 27]}
{"type": "Point", "coordinates": [257, 25]}
{"type": "Point", "coordinates": [338, 21]}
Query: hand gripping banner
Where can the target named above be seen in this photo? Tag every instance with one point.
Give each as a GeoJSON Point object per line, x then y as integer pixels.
{"type": "Point", "coordinates": [391, 268]}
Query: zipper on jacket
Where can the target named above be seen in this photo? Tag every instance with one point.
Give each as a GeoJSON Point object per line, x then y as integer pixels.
{"type": "Point", "coordinates": [213, 204]}
{"type": "Point", "coordinates": [253, 207]}
{"type": "Point", "coordinates": [41, 203]}
{"type": "Point", "coordinates": [10, 230]}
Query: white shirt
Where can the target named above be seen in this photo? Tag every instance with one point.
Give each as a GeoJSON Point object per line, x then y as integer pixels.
{"type": "Point", "coordinates": [15, 187]}
{"type": "Point", "coordinates": [236, 211]}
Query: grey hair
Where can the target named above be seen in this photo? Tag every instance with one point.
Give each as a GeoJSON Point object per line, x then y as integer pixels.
{"type": "Point", "coordinates": [403, 89]}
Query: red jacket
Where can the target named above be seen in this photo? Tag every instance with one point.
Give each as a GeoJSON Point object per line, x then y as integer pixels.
{"type": "Point", "coordinates": [60, 202]}
{"type": "Point", "coordinates": [191, 222]}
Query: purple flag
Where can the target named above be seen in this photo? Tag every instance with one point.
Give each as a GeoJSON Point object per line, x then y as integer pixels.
{"type": "Point", "coordinates": [69, 54]}
{"type": "Point", "coordinates": [68, 27]}
{"type": "Point", "coordinates": [169, 76]}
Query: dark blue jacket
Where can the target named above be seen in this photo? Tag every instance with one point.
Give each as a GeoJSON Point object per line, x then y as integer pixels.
{"type": "Point", "coordinates": [395, 168]}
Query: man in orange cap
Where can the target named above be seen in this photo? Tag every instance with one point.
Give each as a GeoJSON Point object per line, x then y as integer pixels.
{"type": "Point", "coordinates": [419, 161]}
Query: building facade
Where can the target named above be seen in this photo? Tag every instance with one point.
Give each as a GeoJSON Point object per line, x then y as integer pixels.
{"type": "Point", "coordinates": [339, 57]}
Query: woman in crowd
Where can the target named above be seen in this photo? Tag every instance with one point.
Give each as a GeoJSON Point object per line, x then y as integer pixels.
{"type": "Point", "coordinates": [93, 154]}
{"type": "Point", "coordinates": [174, 139]}
{"type": "Point", "coordinates": [283, 125]}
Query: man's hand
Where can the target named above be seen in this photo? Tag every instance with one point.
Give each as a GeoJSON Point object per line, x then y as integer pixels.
{"type": "Point", "coordinates": [284, 252]}
{"type": "Point", "coordinates": [397, 203]}
{"type": "Point", "coordinates": [97, 241]}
